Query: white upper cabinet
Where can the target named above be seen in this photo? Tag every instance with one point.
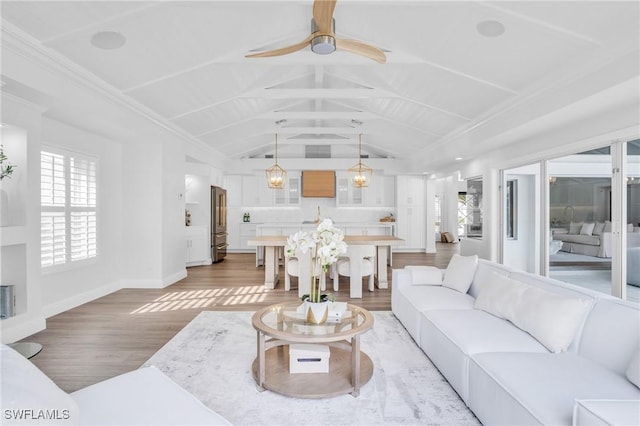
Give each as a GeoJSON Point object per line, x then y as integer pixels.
{"type": "Point", "coordinates": [379, 193]}
{"type": "Point", "coordinates": [290, 194]}
{"type": "Point", "coordinates": [250, 193]}
{"type": "Point", "coordinates": [233, 185]}
{"type": "Point", "coordinates": [410, 190]}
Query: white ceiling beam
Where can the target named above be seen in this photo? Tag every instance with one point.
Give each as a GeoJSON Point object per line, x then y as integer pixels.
{"type": "Point", "coordinates": [318, 115]}
{"type": "Point", "coordinates": [322, 130]}
{"type": "Point", "coordinates": [317, 94]}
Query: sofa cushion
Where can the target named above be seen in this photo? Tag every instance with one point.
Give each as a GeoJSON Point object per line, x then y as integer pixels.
{"type": "Point", "coordinates": [475, 331]}
{"type": "Point", "coordinates": [598, 228]}
{"type": "Point", "coordinates": [587, 228]}
{"type": "Point", "coordinates": [633, 371]}
{"type": "Point", "coordinates": [589, 240]}
{"type": "Point", "coordinates": [542, 384]}
{"type": "Point", "coordinates": [594, 412]}
{"type": "Point", "coordinates": [425, 275]}
{"type": "Point", "coordinates": [449, 337]}
{"type": "Point", "coordinates": [409, 301]}
{"type": "Point", "coordinates": [611, 323]}
{"type": "Point", "coordinates": [142, 397]}
{"type": "Point", "coordinates": [553, 319]}
{"type": "Point", "coordinates": [28, 396]}
{"type": "Point", "coordinates": [574, 227]}
{"type": "Point", "coordinates": [460, 271]}
{"type": "Point", "coordinates": [500, 296]}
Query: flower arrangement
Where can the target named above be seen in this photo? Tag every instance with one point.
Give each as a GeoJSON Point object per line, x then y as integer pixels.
{"type": "Point", "coordinates": [324, 245]}
{"type": "Point", "coordinates": [5, 170]}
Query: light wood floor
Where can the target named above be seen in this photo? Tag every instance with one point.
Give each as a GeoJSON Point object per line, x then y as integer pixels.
{"type": "Point", "coordinates": [117, 333]}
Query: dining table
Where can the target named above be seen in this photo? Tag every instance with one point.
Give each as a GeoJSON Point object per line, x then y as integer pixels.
{"type": "Point", "coordinates": [272, 243]}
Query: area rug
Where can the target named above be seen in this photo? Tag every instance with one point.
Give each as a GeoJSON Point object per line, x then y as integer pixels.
{"type": "Point", "coordinates": [212, 356]}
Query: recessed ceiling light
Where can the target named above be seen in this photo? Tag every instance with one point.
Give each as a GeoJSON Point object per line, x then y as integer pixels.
{"type": "Point", "coordinates": [490, 28]}
{"type": "Point", "coordinates": [458, 158]}
{"type": "Point", "coordinates": [108, 40]}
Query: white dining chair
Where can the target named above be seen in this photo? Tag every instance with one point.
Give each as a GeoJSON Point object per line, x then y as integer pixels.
{"type": "Point", "coordinates": [300, 266]}
{"type": "Point", "coordinates": [366, 255]}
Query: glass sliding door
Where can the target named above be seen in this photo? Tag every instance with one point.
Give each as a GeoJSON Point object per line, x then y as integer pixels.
{"type": "Point", "coordinates": [580, 219]}
{"type": "Point", "coordinates": [632, 194]}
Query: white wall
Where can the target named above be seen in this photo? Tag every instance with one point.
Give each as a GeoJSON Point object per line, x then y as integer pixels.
{"type": "Point", "coordinates": [520, 252]}
{"type": "Point", "coordinates": [62, 290]}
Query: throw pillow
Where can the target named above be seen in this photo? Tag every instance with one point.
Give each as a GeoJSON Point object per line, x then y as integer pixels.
{"type": "Point", "coordinates": [598, 229]}
{"type": "Point", "coordinates": [460, 272]}
{"type": "Point", "coordinates": [500, 296]}
{"type": "Point", "coordinates": [607, 226]}
{"type": "Point", "coordinates": [633, 372]}
{"type": "Point", "coordinates": [425, 275]}
{"type": "Point", "coordinates": [574, 227]}
{"type": "Point", "coordinates": [552, 319]}
{"type": "Point", "coordinates": [629, 227]}
{"type": "Point", "coordinates": [587, 228]}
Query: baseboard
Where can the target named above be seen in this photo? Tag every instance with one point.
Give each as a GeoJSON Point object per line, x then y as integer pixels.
{"type": "Point", "coordinates": [156, 284]}
{"type": "Point", "coordinates": [174, 278]}
{"type": "Point", "coordinates": [80, 299]}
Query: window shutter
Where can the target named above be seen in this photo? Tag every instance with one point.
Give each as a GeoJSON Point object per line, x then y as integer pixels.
{"type": "Point", "coordinates": [68, 207]}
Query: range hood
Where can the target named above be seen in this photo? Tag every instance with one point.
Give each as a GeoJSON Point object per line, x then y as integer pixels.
{"type": "Point", "coordinates": [319, 183]}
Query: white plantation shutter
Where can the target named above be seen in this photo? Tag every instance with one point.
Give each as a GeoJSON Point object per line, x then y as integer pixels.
{"type": "Point", "coordinates": [68, 207]}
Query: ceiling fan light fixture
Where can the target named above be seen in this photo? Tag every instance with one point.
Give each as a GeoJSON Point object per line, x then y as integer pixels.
{"type": "Point", "coordinates": [323, 44]}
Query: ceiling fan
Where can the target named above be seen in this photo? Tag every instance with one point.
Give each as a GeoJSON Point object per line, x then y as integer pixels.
{"type": "Point", "coordinates": [323, 38]}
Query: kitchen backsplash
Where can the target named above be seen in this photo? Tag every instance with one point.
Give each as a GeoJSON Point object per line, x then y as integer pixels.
{"type": "Point", "coordinates": [308, 212]}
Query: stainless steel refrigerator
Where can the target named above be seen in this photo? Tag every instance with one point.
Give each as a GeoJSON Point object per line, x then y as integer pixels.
{"type": "Point", "coordinates": [218, 224]}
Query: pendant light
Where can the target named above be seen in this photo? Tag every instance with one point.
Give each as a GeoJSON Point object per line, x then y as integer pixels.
{"type": "Point", "coordinates": [276, 175]}
{"type": "Point", "coordinates": [360, 174]}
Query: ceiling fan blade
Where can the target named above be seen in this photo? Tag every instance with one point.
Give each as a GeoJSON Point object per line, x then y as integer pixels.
{"type": "Point", "coordinates": [323, 15]}
{"type": "Point", "coordinates": [283, 50]}
{"type": "Point", "coordinates": [363, 49]}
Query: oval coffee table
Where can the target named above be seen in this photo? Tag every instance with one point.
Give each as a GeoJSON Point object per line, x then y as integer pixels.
{"type": "Point", "coordinates": [282, 324]}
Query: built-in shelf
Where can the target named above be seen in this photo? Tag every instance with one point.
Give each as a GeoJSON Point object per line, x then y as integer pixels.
{"type": "Point", "coordinates": [12, 235]}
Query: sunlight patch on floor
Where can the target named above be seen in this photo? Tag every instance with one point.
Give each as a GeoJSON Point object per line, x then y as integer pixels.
{"type": "Point", "coordinates": [198, 299]}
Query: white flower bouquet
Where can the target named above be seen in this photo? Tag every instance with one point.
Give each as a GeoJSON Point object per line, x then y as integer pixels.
{"type": "Point", "coordinates": [324, 245]}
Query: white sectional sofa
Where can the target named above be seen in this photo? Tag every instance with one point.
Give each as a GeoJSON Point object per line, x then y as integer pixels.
{"type": "Point", "coordinates": [142, 397]}
{"type": "Point", "coordinates": [521, 349]}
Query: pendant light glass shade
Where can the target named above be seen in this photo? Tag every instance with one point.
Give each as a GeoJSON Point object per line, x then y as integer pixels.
{"type": "Point", "coordinates": [276, 175]}
{"type": "Point", "coordinates": [360, 175]}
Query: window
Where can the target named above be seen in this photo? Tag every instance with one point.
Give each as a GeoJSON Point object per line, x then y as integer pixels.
{"type": "Point", "coordinates": [438, 209]}
{"type": "Point", "coordinates": [511, 213]}
{"type": "Point", "coordinates": [470, 209]}
{"type": "Point", "coordinates": [68, 192]}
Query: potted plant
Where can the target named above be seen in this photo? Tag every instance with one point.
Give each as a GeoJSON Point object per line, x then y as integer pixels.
{"type": "Point", "coordinates": [5, 169]}
{"type": "Point", "coordinates": [324, 246]}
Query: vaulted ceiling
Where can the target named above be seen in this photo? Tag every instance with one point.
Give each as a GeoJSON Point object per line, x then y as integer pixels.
{"type": "Point", "coordinates": [185, 61]}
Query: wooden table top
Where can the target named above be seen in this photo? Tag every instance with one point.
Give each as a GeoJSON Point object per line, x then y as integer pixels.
{"type": "Point", "coordinates": [375, 240]}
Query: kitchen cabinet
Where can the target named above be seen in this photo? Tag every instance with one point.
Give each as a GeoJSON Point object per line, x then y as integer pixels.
{"type": "Point", "coordinates": [198, 247]}
{"type": "Point", "coordinates": [290, 194]}
{"type": "Point", "coordinates": [250, 193]}
{"type": "Point", "coordinates": [233, 185]}
{"type": "Point", "coordinates": [247, 231]}
{"type": "Point", "coordinates": [347, 194]}
{"type": "Point", "coordinates": [379, 193]}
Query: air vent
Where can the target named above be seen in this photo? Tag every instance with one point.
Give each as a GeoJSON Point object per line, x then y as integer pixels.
{"type": "Point", "coordinates": [268, 156]}
{"type": "Point", "coordinates": [317, 151]}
